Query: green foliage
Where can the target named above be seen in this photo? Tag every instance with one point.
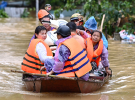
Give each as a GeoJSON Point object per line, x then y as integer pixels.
{"type": "Point", "coordinates": [57, 13]}
{"type": "Point", "coordinates": [3, 14]}
{"type": "Point", "coordinates": [25, 14]}
{"type": "Point", "coordinates": [129, 27]}
{"type": "Point", "coordinates": [32, 9]}
{"type": "Point", "coordinates": [113, 9]}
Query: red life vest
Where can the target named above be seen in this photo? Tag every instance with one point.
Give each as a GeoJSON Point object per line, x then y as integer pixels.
{"type": "Point", "coordinates": [31, 62]}
{"type": "Point", "coordinates": [78, 63]}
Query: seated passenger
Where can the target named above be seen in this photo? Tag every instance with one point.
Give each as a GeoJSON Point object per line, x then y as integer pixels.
{"type": "Point", "coordinates": [72, 27]}
{"type": "Point", "coordinates": [91, 25]}
{"type": "Point", "coordinates": [70, 58]}
{"type": "Point", "coordinates": [48, 8]}
{"type": "Point", "coordinates": [77, 19]}
{"type": "Point", "coordinates": [100, 52]}
{"type": "Point", "coordinates": [37, 52]}
{"type": "Point", "coordinates": [44, 18]}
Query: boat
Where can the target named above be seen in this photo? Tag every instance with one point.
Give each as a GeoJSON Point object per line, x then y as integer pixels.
{"type": "Point", "coordinates": [62, 84]}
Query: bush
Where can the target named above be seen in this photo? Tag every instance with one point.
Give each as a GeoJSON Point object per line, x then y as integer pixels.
{"type": "Point", "coordinates": [3, 14]}
{"type": "Point", "coordinates": [25, 14]}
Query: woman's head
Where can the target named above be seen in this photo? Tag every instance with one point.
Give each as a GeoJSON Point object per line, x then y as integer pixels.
{"type": "Point", "coordinates": [40, 32]}
{"type": "Point", "coordinates": [96, 36]}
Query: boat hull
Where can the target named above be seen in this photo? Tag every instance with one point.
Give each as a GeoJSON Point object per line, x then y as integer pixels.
{"type": "Point", "coordinates": [47, 84]}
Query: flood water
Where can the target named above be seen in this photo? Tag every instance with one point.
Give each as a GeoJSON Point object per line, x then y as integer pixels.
{"type": "Point", "coordinates": [15, 34]}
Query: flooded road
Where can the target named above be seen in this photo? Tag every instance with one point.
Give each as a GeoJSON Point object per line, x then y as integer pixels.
{"type": "Point", "coordinates": [15, 34]}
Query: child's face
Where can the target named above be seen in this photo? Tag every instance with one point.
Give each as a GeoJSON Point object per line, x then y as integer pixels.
{"type": "Point", "coordinates": [42, 35]}
{"type": "Point", "coordinates": [96, 37]}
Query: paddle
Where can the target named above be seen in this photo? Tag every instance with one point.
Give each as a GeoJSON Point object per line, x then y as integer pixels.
{"type": "Point", "coordinates": [44, 75]}
{"type": "Point", "coordinates": [102, 23]}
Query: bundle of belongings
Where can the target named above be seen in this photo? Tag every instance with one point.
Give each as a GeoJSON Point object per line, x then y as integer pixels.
{"type": "Point", "coordinates": [129, 38]}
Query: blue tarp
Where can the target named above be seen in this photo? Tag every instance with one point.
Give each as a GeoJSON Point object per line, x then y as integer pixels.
{"type": "Point", "coordinates": [3, 5]}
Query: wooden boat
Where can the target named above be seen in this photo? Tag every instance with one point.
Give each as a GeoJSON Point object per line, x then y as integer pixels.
{"type": "Point", "coordinates": [55, 84]}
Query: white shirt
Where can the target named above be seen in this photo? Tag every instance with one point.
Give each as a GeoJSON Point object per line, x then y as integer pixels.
{"type": "Point", "coordinates": [42, 53]}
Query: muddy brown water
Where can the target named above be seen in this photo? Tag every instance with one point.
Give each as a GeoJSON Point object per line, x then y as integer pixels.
{"type": "Point", "coordinates": [15, 34]}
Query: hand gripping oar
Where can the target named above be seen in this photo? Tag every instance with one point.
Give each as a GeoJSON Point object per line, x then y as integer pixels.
{"type": "Point", "coordinates": [44, 75]}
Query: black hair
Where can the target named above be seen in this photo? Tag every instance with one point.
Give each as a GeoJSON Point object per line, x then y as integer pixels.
{"type": "Point", "coordinates": [97, 31]}
{"type": "Point", "coordinates": [80, 27]}
{"type": "Point", "coordinates": [72, 26]}
{"type": "Point", "coordinates": [38, 29]}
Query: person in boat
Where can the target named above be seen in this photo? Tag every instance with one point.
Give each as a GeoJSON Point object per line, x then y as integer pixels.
{"type": "Point", "coordinates": [37, 52]}
{"type": "Point", "coordinates": [70, 58]}
{"type": "Point", "coordinates": [91, 25]}
{"type": "Point", "coordinates": [80, 39]}
{"type": "Point", "coordinates": [100, 52]}
{"type": "Point", "coordinates": [48, 8]}
{"type": "Point", "coordinates": [77, 19]}
{"type": "Point", "coordinates": [44, 18]}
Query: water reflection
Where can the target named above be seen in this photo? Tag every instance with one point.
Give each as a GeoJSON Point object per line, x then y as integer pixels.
{"type": "Point", "coordinates": [15, 34]}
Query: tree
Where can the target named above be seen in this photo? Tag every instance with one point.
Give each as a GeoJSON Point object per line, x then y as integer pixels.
{"type": "Point", "coordinates": [113, 9]}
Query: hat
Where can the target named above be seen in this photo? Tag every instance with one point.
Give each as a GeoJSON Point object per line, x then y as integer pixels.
{"type": "Point", "coordinates": [74, 16]}
{"type": "Point", "coordinates": [42, 13]}
{"type": "Point", "coordinates": [63, 30]}
{"type": "Point", "coordinates": [47, 5]}
{"type": "Point", "coordinates": [91, 23]}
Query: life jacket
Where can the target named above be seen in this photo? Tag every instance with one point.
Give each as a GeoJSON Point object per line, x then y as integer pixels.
{"type": "Point", "coordinates": [31, 62]}
{"type": "Point", "coordinates": [77, 64]}
{"type": "Point", "coordinates": [96, 55]}
{"type": "Point", "coordinates": [89, 49]}
{"type": "Point", "coordinates": [79, 39]}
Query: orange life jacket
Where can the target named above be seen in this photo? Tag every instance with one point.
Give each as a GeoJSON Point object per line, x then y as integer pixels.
{"type": "Point", "coordinates": [79, 39]}
{"type": "Point", "coordinates": [31, 62]}
{"type": "Point", "coordinates": [96, 55]}
{"type": "Point", "coordinates": [89, 49]}
{"type": "Point", "coordinates": [77, 63]}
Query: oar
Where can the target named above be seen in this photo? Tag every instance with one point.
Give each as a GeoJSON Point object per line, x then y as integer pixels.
{"type": "Point", "coordinates": [102, 23]}
{"type": "Point", "coordinates": [44, 75]}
